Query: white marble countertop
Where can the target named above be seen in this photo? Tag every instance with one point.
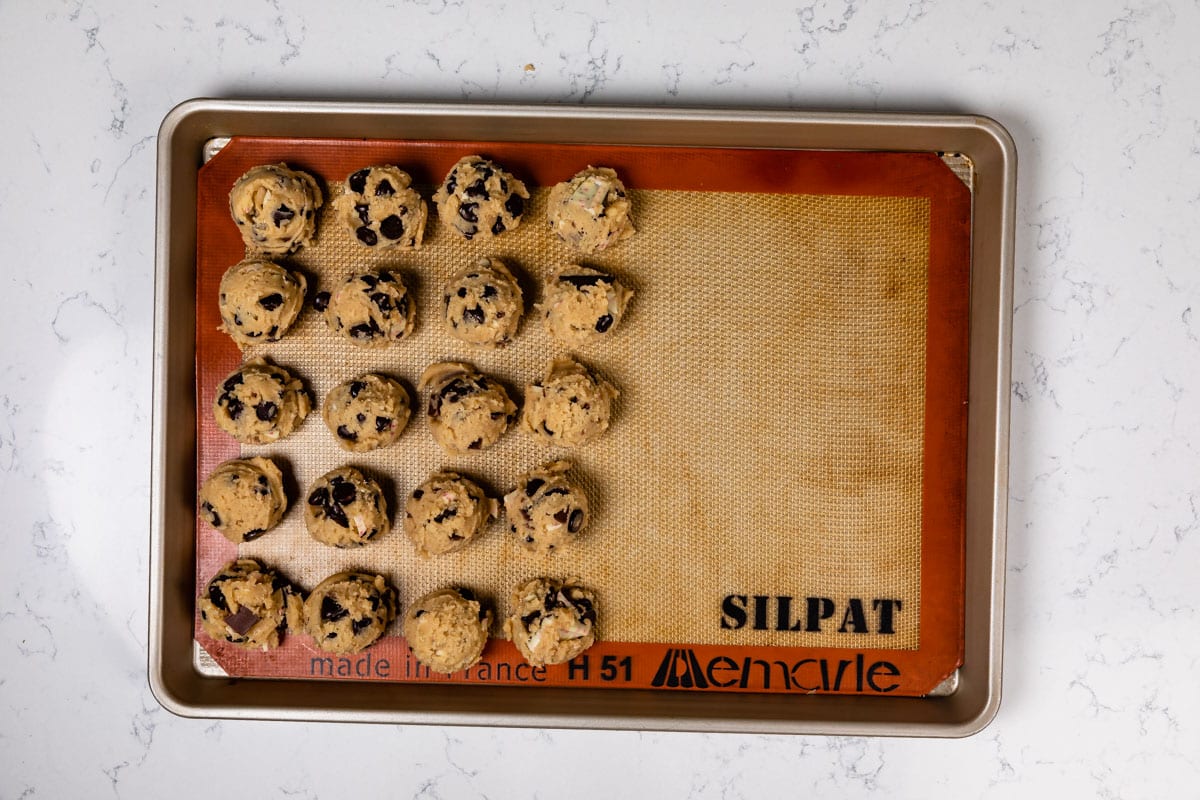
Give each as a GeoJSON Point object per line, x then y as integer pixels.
{"type": "Point", "coordinates": [1103, 633]}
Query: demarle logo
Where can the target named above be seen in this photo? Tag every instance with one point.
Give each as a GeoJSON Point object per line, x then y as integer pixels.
{"type": "Point", "coordinates": [680, 668]}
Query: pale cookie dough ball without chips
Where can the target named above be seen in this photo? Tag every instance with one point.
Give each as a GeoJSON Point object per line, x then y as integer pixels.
{"type": "Point", "coordinates": [259, 300]}
{"type": "Point", "coordinates": [547, 510]}
{"type": "Point", "coordinates": [367, 412]}
{"type": "Point", "coordinates": [243, 498]}
{"type": "Point", "coordinates": [250, 605]}
{"type": "Point", "coordinates": [446, 512]}
{"type": "Point", "coordinates": [582, 305]}
{"type": "Point", "coordinates": [370, 309]}
{"type": "Point", "coordinates": [381, 210]}
{"type": "Point", "coordinates": [482, 304]}
{"type": "Point", "coordinates": [590, 212]}
{"type": "Point", "coordinates": [569, 407]}
{"type": "Point", "coordinates": [275, 208]}
{"type": "Point", "coordinates": [467, 410]}
{"type": "Point", "coordinates": [345, 508]}
{"type": "Point", "coordinates": [260, 403]}
{"type": "Point", "coordinates": [552, 621]}
{"type": "Point", "coordinates": [348, 611]}
{"type": "Point", "coordinates": [479, 199]}
{"type": "Point", "coordinates": [447, 630]}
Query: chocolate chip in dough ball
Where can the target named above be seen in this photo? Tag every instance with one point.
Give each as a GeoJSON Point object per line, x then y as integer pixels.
{"type": "Point", "coordinates": [370, 308]}
{"type": "Point", "coordinates": [582, 305]}
{"type": "Point", "coordinates": [479, 199]}
{"type": "Point", "coordinates": [260, 403]}
{"type": "Point", "coordinates": [482, 304]}
{"type": "Point", "coordinates": [552, 621]}
{"type": "Point", "coordinates": [569, 407]}
{"type": "Point", "coordinates": [446, 512]}
{"type": "Point", "coordinates": [345, 508]}
{"type": "Point", "coordinates": [467, 410]}
{"type": "Point", "coordinates": [547, 510]}
{"type": "Point", "coordinates": [367, 412]}
{"type": "Point", "coordinates": [381, 210]}
{"type": "Point", "coordinates": [250, 605]}
{"type": "Point", "coordinates": [259, 300]}
{"type": "Point", "coordinates": [275, 208]}
{"type": "Point", "coordinates": [349, 611]}
{"type": "Point", "coordinates": [447, 630]}
{"type": "Point", "coordinates": [243, 498]}
{"type": "Point", "coordinates": [590, 212]}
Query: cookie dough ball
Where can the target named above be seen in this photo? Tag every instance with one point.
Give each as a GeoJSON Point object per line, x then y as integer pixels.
{"type": "Point", "coordinates": [243, 498]}
{"type": "Point", "coordinates": [367, 413]}
{"type": "Point", "coordinates": [275, 208]}
{"type": "Point", "coordinates": [479, 198]}
{"type": "Point", "coordinates": [446, 512]}
{"type": "Point", "coordinates": [260, 403]}
{"type": "Point", "coordinates": [348, 611]}
{"type": "Point", "coordinates": [569, 407]}
{"type": "Point", "coordinates": [346, 509]}
{"type": "Point", "coordinates": [590, 212]}
{"type": "Point", "coordinates": [250, 605]}
{"type": "Point", "coordinates": [371, 309]}
{"type": "Point", "coordinates": [447, 630]}
{"type": "Point", "coordinates": [582, 305]}
{"type": "Point", "coordinates": [552, 621]}
{"type": "Point", "coordinates": [546, 510]}
{"type": "Point", "coordinates": [467, 410]}
{"type": "Point", "coordinates": [482, 304]}
{"type": "Point", "coordinates": [381, 210]}
{"type": "Point", "coordinates": [259, 300]}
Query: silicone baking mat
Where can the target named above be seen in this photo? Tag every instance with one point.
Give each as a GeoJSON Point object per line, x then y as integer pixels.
{"type": "Point", "coordinates": [778, 505]}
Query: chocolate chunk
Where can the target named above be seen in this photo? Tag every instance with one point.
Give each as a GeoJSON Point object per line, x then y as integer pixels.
{"type": "Point", "coordinates": [319, 497]}
{"type": "Point", "coordinates": [462, 291]}
{"type": "Point", "coordinates": [382, 424]}
{"type": "Point", "coordinates": [250, 536]}
{"type": "Point", "coordinates": [279, 582]}
{"type": "Point", "coordinates": [445, 514]}
{"type": "Point", "coordinates": [345, 433]}
{"type": "Point", "coordinates": [489, 291]}
{"type": "Point", "coordinates": [384, 188]}
{"type": "Point", "coordinates": [604, 323]}
{"type": "Point", "coordinates": [475, 315]}
{"type": "Point", "coordinates": [418, 494]}
{"type": "Point", "coordinates": [367, 236]}
{"type": "Point", "coordinates": [360, 418]}
{"type": "Point", "coordinates": [358, 181]}
{"type": "Point", "coordinates": [266, 411]}
{"type": "Point", "coordinates": [555, 490]}
{"type": "Point", "coordinates": [580, 281]}
{"type": "Point", "coordinates": [363, 211]}
{"type": "Point", "coordinates": [420, 612]}
{"type": "Point", "coordinates": [233, 381]}
{"type": "Point", "coordinates": [477, 189]}
{"type": "Point", "coordinates": [402, 306]}
{"type": "Point", "coordinates": [435, 405]}
{"type": "Point", "coordinates": [515, 205]}
{"type": "Point", "coordinates": [386, 277]}
{"type": "Point", "coordinates": [533, 485]}
{"type": "Point", "coordinates": [242, 621]}
{"type": "Point", "coordinates": [360, 625]}
{"type": "Point", "coordinates": [210, 514]}
{"type": "Point", "coordinates": [271, 301]}
{"type": "Point", "coordinates": [331, 610]}
{"type": "Point", "coordinates": [366, 330]}
{"type": "Point", "coordinates": [282, 214]}
{"type": "Point", "coordinates": [356, 387]}
{"type": "Point", "coordinates": [232, 405]}
{"type": "Point", "coordinates": [585, 609]}
{"type": "Point", "coordinates": [529, 618]}
{"type": "Point", "coordinates": [321, 301]}
{"type": "Point", "coordinates": [498, 227]}
{"type": "Point", "coordinates": [217, 597]}
{"type": "Point", "coordinates": [476, 445]}
{"type": "Point", "coordinates": [560, 515]}
{"type": "Point", "coordinates": [468, 212]}
{"type": "Point", "coordinates": [576, 521]}
{"type": "Point", "coordinates": [368, 280]}
{"type": "Point", "coordinates": [382, 301]}
{"type": "Point", "coordinates": [343, 493]}
{"type": "Point", "coordinates": [271, 333]}
{"type": "Point", "coordinates": [392, 227]}
{"type": "Point", "coordinates": [335, 513]}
